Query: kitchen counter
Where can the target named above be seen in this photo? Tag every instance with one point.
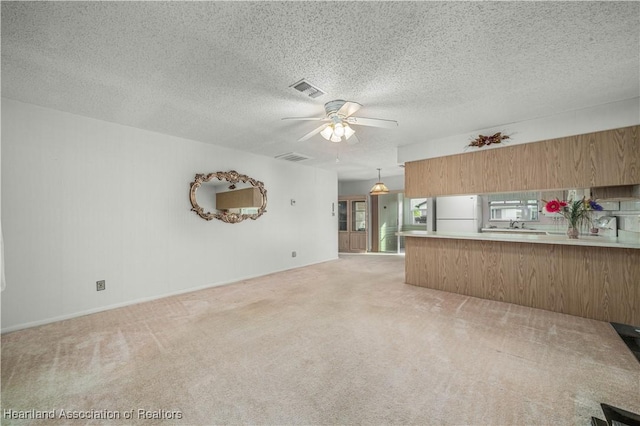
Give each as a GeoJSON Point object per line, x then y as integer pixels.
{"type": "Point", "coordinates": [515, 230]}
{"type": "Point", "coordinates": [519, 237]}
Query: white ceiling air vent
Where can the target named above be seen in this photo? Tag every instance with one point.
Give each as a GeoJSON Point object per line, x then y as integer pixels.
{"type": "Point", "coordinates": [293, 156]}
{"type": "Point", "coordinates": [307, 88]}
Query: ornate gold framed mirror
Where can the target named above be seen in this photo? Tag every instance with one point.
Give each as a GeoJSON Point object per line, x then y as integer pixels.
{"type": "Point", "coordinates": [231, 196]}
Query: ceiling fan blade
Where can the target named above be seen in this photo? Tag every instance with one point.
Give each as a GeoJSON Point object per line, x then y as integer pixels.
{"type": "Point", "coordinates": [313, 133]}
{"type": "Point", "coordinates": [349, 108]}
{"type": "Point", "coordinates": [374, 122]}
{"type": "Point", "coordinates": [307, 118]}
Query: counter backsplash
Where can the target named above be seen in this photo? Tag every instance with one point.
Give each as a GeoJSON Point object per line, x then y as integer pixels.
{"type": "Point", "coordinates": [629, 216]}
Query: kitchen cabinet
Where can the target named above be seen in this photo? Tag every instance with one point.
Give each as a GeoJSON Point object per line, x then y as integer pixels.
{"type": "Point", "coordinates": [606, 158]}
{"type": "Point", "coordinates": [352, 224]}
{"type": "Point", "coordinates": [616, 193]}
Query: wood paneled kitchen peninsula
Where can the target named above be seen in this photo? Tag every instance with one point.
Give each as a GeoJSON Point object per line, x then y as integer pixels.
{"type": "Point", "coordinates": [592, 277]}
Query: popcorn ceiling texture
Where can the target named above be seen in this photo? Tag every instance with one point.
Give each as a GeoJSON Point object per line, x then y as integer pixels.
{"type": "Point", "coordinates": [342, 342]}
{"type": "Point", "coordinates": [219, 72]}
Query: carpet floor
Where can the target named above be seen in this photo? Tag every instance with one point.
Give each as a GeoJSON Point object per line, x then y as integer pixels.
{"type": "Point", "coordinates": [341, 342]}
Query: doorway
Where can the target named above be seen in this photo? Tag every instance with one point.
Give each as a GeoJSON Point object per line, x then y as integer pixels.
{"type": "Point", "coordinates": [388, 211]}
{"type": "Point", "coordinates": [393, 212]}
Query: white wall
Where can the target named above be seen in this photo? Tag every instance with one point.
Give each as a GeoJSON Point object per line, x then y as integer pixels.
{"type": "Point", "coordinates": [85, 200]}
{"type": "Point", "coordinates": [602, 117]}
{"type": "Point", "coordinates": [2, 282]}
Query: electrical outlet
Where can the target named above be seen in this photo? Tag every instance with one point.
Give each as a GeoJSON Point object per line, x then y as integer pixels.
{"type": "Point", "coordinates": [294, 254]}
{"type": "Point", "coordinates": [101, 285]}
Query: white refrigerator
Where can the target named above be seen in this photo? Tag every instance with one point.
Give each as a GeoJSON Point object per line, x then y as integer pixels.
{"type": "Point", "coordinates": [460, 213]}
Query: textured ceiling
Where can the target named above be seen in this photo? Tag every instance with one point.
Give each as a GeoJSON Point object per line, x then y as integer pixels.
{"type": "Point", "coordinates": [219, 72]}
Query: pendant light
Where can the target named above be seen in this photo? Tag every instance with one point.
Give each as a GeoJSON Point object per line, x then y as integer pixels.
{"type": "Point", "coordinates": [379, 188]}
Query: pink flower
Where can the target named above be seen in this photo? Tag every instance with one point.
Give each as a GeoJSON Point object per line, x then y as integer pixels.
{"type": "Point", "coordinates": [554, 206]}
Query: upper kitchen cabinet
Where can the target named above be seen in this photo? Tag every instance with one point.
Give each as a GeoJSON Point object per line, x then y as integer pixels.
{"type": "Point", "coordinates": [561, 162]}
{"type": "Point", "coordinates": [431, 172]}
{"type": "Point", "coordinates": [614, 156]}
{"type": "Point", "coordinates": [469, 174]}
{"type": "Point", "coordinates": [606, 158]}
{"type": "Point", "coordinates": [616, 193]}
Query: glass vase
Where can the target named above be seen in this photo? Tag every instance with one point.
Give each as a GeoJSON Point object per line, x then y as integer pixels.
{"type": "Point", "coordinates": [572, 233]}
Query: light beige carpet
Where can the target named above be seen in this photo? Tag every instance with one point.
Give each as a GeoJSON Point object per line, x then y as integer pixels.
{"type": "Point", "coordinates": [342, 342]}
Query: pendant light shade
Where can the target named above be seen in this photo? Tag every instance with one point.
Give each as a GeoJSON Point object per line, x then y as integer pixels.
{"type": "Point", "coordinates": [379, 188]}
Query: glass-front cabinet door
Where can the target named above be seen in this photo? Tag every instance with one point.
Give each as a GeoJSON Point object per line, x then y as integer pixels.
{"type": "Point", "coordinates": [352, 224]}
{"type": "Point", "coordinates": [359, 215]}
{"type": "Point", "coordinates": [343, 219]}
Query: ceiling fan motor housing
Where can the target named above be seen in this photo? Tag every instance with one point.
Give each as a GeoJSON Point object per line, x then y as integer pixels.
{"type": "Point", "coordinates": [332, 107]}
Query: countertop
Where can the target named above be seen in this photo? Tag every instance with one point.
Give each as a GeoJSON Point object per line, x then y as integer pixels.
{"type": "Point", "coordinates": [516, 230]}
{"type": "Point", "coordinates": [584, 240]}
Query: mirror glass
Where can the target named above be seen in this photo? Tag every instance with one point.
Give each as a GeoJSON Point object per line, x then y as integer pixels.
{"type": "Point", "coordinates": [227, 196]}
{"type": "Point", "coordinates": [520, 206]}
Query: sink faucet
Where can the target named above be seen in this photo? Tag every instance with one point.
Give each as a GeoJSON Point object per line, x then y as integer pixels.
{"type": "Point", "coordinates": [514, 224]}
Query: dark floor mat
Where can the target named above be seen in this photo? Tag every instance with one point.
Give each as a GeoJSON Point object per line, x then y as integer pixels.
{"type": "Point", "coordinates": [630, 335]}
{"type": "Point", "coordinates": [618, 416]}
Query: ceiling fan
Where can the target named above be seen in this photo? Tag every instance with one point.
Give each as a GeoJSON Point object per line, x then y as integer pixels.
{"type": "Point", "coordinates": [338, 120]}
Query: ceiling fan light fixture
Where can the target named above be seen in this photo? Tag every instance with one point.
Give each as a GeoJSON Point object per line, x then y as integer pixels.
{"type": "Point", "coordinates": [327, 133]}
{"type": "Point", "coordinates": [379, 188]}
{"type": "Point", "coordinates": [348, 131]}
{"type": "Point", "coordinates": [338, 116]}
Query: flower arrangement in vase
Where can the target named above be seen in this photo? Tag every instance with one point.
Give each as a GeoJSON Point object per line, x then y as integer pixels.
{"type": "Point", "coordinates": [577, 213]}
